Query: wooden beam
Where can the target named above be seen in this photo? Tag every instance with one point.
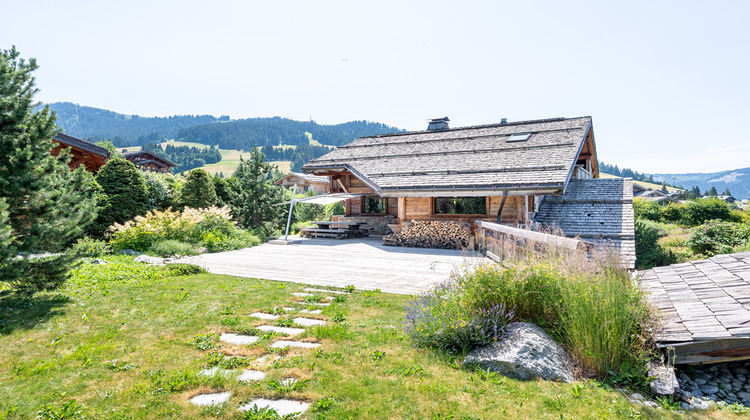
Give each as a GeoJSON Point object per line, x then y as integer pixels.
{"type": "Point", "coordinates": [500, 210]}
{"type": "Point", "coordinates": [401, 211]}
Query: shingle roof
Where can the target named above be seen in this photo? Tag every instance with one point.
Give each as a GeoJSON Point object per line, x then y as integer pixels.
{"type": "Point", "coordinates": [600, 210]}
{"type": "Point", "coordinates": [149, 158]}
{"type": "Point", "coordinates": [478, 157]}
{"type": "Point", "coordinates": [306, 177]}
{"type": "Point", "coordinates": [81, 144]}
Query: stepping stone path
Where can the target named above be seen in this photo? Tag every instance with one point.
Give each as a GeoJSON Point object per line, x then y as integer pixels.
{"type": "Point", "coordinates": [211, 399]}
{"type": "Point", "coordinates": [251, 375]}
{"type": "Point", "coordinates": [239, 340]}
{"type": "Point", "coordinates": [335, 292]}
{"type": "Point", "coordinates": [307, 322]}
{"type": "Point", "coordinates": [263, 315]}
{"type": "Point", "coordinates": [281, 330]}
{"type": "Point", "coordinates": [313, 312]}
{"type": "Point", "coordinates": [283, 407]}
{"type": "Point", "coordinates": [282, 344]}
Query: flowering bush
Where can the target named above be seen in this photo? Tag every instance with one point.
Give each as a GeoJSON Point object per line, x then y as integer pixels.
{"type": "Point", "coordinates": [211, 228]}
{"type": "Point", "coordinates": [441, 319]}
{"type": "Point", "coordinates": [717, 237]}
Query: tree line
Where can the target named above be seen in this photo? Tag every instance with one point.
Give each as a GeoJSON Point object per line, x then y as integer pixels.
{"type": "Point", "coordinates": [185, 157]}
{"type": "Point", "coordinates": [299, 155]}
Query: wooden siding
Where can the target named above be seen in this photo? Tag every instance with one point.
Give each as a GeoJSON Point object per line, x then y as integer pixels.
{"type": "Point", "coordinates": [420, 208]}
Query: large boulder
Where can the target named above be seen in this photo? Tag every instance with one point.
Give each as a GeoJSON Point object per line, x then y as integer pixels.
{"type": "Point", "coordinates": [527, 353]}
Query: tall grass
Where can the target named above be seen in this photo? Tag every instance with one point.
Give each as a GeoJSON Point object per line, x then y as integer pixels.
{"type": "Point", "coordinates": [587, 302]}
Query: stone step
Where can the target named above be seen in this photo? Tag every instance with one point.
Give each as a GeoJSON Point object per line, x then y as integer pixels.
{"type": "Point", "coordinates": [302, 295]}
{"type": "Point", "coordinates": [313, 312]}
{"type": "Point", "coordinates": [263, 315]}
{"type": "Point", "coordinates": [251, 375]}
{"type": "Point", "coordinates": [282, 330]}
{"type": "Point", "coordinates": [282, 407]}
{"type": "Point", "coordinates": [239, 340]}
{"type": "Point", "coordinates": [214, 371]}
{"type": "Point", "coordinates": [211, 399]}
{"type": "Point", "coordinates": [307, 322]}
{"type": "Point", "coordinates": [282, 344]}
{"type": "Point", "coordinates": [335, 292]}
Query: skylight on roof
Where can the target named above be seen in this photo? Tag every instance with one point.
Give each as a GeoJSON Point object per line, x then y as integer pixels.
{"type": "Point", "coordinates": [519, 137]}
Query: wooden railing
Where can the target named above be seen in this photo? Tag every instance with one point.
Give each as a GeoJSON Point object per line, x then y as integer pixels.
{"type": "Point", "coordinates": [495, 241]}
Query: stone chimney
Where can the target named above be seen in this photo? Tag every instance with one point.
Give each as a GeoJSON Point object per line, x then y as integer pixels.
{"type": "Point", "coordinates": [437, 124]}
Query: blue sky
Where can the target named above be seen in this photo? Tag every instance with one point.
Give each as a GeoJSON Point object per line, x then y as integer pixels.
{"type": "Point", "coordinates": [666, 82]}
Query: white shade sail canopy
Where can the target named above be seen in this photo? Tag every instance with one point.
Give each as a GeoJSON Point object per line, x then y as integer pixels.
{"type": "Point", "coordinates": [323, 200]}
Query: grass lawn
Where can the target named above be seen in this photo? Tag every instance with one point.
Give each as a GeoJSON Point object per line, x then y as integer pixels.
{"type": "Point", "coordinates": [131, 346]}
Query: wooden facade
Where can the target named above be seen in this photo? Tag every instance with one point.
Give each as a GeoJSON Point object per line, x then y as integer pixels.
{"type": "Point", "coordinates": [304, 182]}
{"type": "Point", "coordinates": [91, 156]}
{"type": "Point", "coordinates": [147, 161]}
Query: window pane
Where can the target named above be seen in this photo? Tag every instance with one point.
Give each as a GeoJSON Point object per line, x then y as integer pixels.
{"type": "Point", "coordinates": [460, 205]}
{"type": "Point", "coordinates": [374, 204]}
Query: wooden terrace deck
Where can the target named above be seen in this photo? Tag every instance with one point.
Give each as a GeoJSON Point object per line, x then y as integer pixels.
{"type": "Point", "coordinates": [706, 307]}
{"type": "Point", "coordinates": [363, 262]}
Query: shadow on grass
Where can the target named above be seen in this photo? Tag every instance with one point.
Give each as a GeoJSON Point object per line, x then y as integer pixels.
{"type": "Point", "coordinates": [23, 312]}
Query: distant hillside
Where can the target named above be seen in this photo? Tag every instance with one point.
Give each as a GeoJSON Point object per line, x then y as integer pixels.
{"type": "Point", "coordinates": [124, 130]}
{"type": "Point", "coordinates": [244, 134]}
{"type": "Point", "coordinates": [132, 130]}
{"type": "Point", "coordinates": [737, 180]}
{"type": "Point", "coordinates": [644, 184]}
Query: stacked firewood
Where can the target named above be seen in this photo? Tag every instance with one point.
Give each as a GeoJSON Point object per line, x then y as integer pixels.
{"type": "Point", "coordinates": [431, 234]}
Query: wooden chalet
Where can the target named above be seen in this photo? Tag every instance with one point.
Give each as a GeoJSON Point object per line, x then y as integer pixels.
{"type": "Point", "coordinates": [498, 172]}
{"type": "Point", "coordinates": [147, 161]}
{"type": "Point", "coordinates": [93, 157]}
{"type": "Point", "coordinates": [305, 182]}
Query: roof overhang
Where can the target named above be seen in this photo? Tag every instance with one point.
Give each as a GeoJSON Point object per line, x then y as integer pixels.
{"type": "Point", "coordinates": [323, 200]}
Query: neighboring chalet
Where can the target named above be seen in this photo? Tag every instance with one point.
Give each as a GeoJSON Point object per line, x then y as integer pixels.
{"type": "Point", "coordinates": [147, 161]}
{"type": "Point", "coordinates": [93, 157]}
{"type": "Point", "coordinates": [305, 182]}
{"type": "Point", "coordinates": [657, 196]}
{"type": "Point", "coordinates": [507, 173]}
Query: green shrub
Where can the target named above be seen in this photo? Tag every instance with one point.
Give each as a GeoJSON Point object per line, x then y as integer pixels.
{"type": "Point", "coordinates": [182, 269]}
{"type": "Point", "coordinates": [718, 237]}
{"type": "Point", "coordinates": [171, 248]}
{"type": "Point", "coordinates": [198, 191]}
{"type": "Point", "coordinates": [159, 190]}
{"type": "Point", "coordinates": [648, 252]}
{"type": "Point", "coordinates": [647, 209]}
{"type": "Point", "coordinates": [210, 228]}
{"type": "Point", "coordinates": [334, 209]}
{"type": "Point", "coordinates": [90, 248]}
{"type": "Point", "coordinates": [705, 209]}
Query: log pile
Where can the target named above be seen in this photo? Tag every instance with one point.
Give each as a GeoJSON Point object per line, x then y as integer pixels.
{"type": "Point", "coordinates": [432, 234]}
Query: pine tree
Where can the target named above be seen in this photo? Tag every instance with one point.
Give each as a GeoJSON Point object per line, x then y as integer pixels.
{"type": "Point", "coordinates": [198, 191]}
{"type": "Point", "coordinates": [124, 192]}
{"type": "Point", "coordinates": [712, 192]}
{"type": "Point", "coordinates": [254, 194]}
{"type": "Point", "coordinates": [43, 204]}
{"type": "Point", "coordinates": [726, 192]}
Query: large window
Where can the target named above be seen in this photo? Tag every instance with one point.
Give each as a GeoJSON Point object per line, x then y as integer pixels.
{"type": "Point", "coordinates": [460, 205]}
{"type": "Point", "coordinates": [372, 204]}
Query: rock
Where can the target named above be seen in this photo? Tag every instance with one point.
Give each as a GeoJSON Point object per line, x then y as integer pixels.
{"type": "Point", "coordinates": [149, 260]}
{"type": "Point", "coordinates": [700, 381]}
{"type": "Point", "coordinates": [709, 389]}
{"type": "Point", "coordinates": [637, 397]}
{"type": "Point", "coordinates": [665, 381]}
{"type": "Point", "coordinates": [130, 252]}
{"type": "Point", "coordinates": [651, 404]}
{"type": "Point", "coordinates": [527, 353]}
{"type": "Point", "coordinates": [698, 404]}
{"type": "Point", "coordinates": [685, 406]}
{"type": "Point", "coordinates": [686, 396]}
{"type": "Point", "coordinates": [744, 396]}
{"type": "Point", "coordinates": [741, 371]}
{"type": "Point", "coordinates": [98, 262]}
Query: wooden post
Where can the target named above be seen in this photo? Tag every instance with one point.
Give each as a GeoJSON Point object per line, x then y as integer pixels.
{"type": "Point", "coordinates": [500, 210]}
{"type": "Point", "coordinates": [401, 212]}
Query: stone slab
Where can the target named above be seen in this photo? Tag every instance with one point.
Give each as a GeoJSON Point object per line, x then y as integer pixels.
{"type": "Point", "coordinates": [282, 407]}
{"type": "Point", "coordinates": [281, 330]}
{"type": "Point", "coordinates": [308, 322]}
{"type": "Point", "coordinates": [239, 340]}
{"type": "Point", "coordinates": [214, 371]}
{"type": "Point", "coordinates": [211, 399]}
{"type": "Point", "coordinates": [312, 312]}
{"type": "Point", "coordinates": [298, 344]}
{"type": "Point", "coordinates": [335, 292]}
{"type": "Point", "coordinates": [302, 295]}
{"type": "Point", "coordinates": [263, 315]}
{"type": "Point", "coordinates": [251, 375]}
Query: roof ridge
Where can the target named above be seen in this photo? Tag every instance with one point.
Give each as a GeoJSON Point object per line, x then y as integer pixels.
{"type": "Point", "coordinates": [470, 127]}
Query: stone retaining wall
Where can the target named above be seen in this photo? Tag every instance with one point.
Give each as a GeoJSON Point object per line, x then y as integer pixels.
{"type": "Point", "coordinates": [375, 225]}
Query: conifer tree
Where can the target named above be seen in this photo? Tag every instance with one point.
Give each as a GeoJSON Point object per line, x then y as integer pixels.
{"type": "Point", "coordinates": [124, 192]}
{"type": "Point", "coordinates": [198, 191]}
{"type": "Point", "coordinates": [254, 194]}
{"type": "Point", "coordinates": [43, 204]}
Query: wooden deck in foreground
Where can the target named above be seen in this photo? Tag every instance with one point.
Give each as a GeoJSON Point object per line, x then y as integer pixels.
{"type": "Point", "coordinates": [706, 307]}
{"type": "Point", "coordinates": [362, 262]}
